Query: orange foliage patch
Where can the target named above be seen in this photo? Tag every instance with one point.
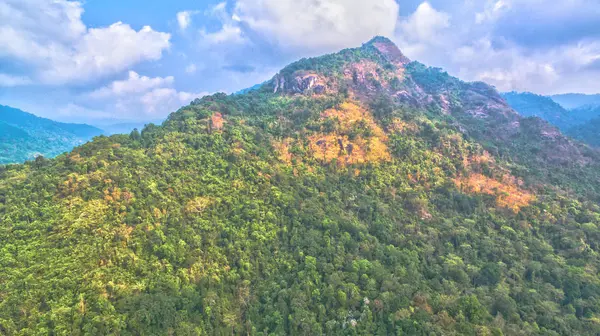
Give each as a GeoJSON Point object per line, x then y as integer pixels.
{"type": "Point", "coordinates": [483, 158]}
{"type": "Point", "coordinates": [337, 145]}
{"type": "Point", "coordinates": [507, 192]}
{"type": "Point", "coordinates": [217, 121]}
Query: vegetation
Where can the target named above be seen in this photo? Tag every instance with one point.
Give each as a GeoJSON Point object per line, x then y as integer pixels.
{"type": "Point", "coordinates": [532, 105]}
{"type": "Point", "coordinates": [588, 132]}
{"type": "Point", "coordinates": [370, 210]}
{"type": "Point", "coordinates": [24, 136]}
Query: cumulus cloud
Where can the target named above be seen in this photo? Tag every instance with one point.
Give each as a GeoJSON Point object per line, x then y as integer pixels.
{"type": "Point", "coordinates": [133, 84]}
{"type": "Point", "coordinates": [423, 30]}
{"type": "Point", "coordinates": [538, 24]}
{"type": "Point", "coordinates": [229, 33]}
{"type": "Point", "coordinates": [425, 24]}
{"type": "Point", "coordinates": [137, 97]}
{"type": "Point", "coordinates": [184, 19]}
{"type": "Point", "coordinates": [50, 38]}
{"type": "Point", "coordinates": [492, 10]}
{"type": "Point", "coordinates": [512, 44]}
{"type": "Point", "coordinates": [307, 24]}
{"type": "Point", "coordinates": [161, 101]}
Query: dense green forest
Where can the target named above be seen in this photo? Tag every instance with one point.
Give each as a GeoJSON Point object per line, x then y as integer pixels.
{"type": "Point", "coordinates": [23, 136]}
{"type": "Point", "coordinates": [357, 193]}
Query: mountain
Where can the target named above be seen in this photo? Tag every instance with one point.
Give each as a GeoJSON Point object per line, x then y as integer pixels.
{"type": "Point", "coordinates": [579, 123]}
{"type": "Point", "coordinates": [586, 113]}
{"type": "Point", "coordinates": [354, 193]}
{"type": "Point", "coordinates": [574, 100]}
{"type": "Point", "coordinates": [23, 136]}
{"type": "Point", "coordinates": [588, 132]}
{"type": "Point", "coordinates": [530, 105]}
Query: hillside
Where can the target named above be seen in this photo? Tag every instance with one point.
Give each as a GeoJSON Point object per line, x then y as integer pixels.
{"type": "Point", "coordinates": [354, 193]}
{"type": "Point", "coordinates": [533, 105]}
{"type": "Point", "coordinates": [23, 136]}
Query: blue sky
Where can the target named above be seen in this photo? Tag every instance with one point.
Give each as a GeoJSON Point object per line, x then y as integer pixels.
{"type": "Point", "coordinates": [98, 61]}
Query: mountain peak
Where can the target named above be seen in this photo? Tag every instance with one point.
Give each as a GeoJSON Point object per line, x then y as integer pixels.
{"type": "Point", "coordinates": [388, 49]}
{"type": "Point", "coordinates": [352, 66]}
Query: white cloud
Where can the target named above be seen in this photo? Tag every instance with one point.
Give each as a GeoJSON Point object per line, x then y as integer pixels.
{"type": "Point", "coordinates": [184, 19]}
{"type": "Point", "coordinates": [493, 10]}
{"type": "Point", "coordinates": [319, 26]}
{"type": "Point", "coordinates": [191, 69]}
{"type": "Point", "coordinates": [133, 84]}
{"type": "Point", "coordinates": [161, 100]}
{"type": "Point", "coordinates": [138, 97]}
{"type": "Point", "coordinates": [425, 24]}
{"type": "Point", "coordinates": [49, 36]}
{"type": "Point", "coordinates": [475, 41]}
{"type": "Point", "coordinates": [507, 68]}
{"type": "Point", "coordinates": [425, 34]}
{"type": "Point", "coordinates": [227, 34]}
{"type": "Point", "coordinates": [9, 80]}
{"type": "Point", "coordinates": [230, 31]}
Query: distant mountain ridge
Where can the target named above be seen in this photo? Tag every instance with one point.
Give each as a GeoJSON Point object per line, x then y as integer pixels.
{"type": "Point", "coordinates": [23, 136]}
{"type": "Point", "coordinates": [575, 100]}
{"type": "Point", "coordinates": [578, 118]}
{"type": "Point", "coordinates": [533, 105]}
{"type": "Point", "coordinates": [589, 131]}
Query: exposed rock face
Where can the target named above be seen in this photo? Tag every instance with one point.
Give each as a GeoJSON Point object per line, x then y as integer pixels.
{"type": "Point", "coordinates": [278, 83]}
{"type": "Point", "coordinates": [308, 81]}
{"type": "Point", "coordinates": [302, 82]}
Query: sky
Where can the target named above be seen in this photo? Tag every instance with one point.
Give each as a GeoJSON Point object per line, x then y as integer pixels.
{"type": "Point", "coordinates": [107, 61]}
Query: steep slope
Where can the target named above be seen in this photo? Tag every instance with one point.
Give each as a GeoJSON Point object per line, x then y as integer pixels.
{"type": "Point", "coordinates": [355, 193]}
{"type": "Point", "coordinates": [24, 136]}
{"type": "Point", "coordinates": [533, 105]}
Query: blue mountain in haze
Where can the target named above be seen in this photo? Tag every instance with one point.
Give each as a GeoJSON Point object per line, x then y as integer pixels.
{"type": "Point", "coordinates": [24, 136]}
